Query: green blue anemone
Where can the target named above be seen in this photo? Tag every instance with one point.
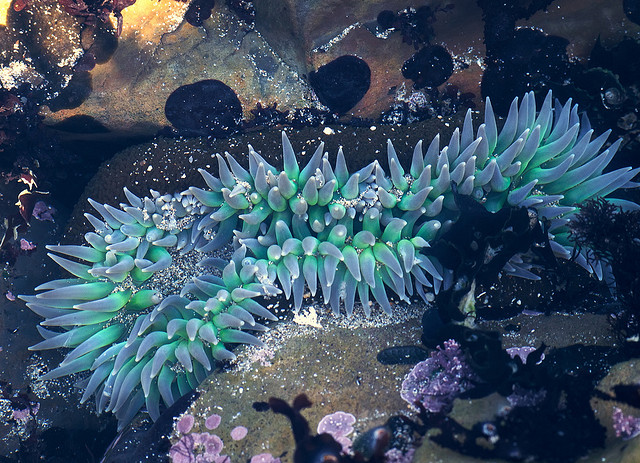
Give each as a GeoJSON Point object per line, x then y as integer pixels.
{"type": "Point", "coordinates": [349, 237]}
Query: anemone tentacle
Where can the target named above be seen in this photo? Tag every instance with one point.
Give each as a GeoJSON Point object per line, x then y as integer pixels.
{"type": "Point", "coordinates": [344, 236]}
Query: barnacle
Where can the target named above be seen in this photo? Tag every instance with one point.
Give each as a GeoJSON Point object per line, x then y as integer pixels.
{"type": "Point", "coordinates": [321, 227]}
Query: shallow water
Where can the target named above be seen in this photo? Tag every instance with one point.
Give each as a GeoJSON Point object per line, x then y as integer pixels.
{"type": "Point", "coordinates": [92, 101]}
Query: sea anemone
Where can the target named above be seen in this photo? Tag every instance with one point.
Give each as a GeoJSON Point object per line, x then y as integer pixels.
{"type": "Point", "coordinates": [320, 227]}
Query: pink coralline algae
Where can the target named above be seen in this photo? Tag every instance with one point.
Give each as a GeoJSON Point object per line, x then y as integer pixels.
{"type": "Point", "coordinates": [523, 352]}
{"type": "Point", "coordinates": [185, 424]}
{"type": "Point", "coordinates": [26, 245]}
{"type": "Point", "coordinates": [213, 421]}
{"type": "Point", "coordinates": [397, 456]}
{"type": "Point", "coordinates": [339, 425]}
{"type": "Point", "coordinates": [43, 212]}
{"type": "Point", "coordinates": [438, 380]}
{"type": "Point", "coordinates": [239, 432]}
{"type": "Point", "coordinates": [23, 415]}
{"type": "Point", "coordinates": [264, 458]}
{"type": "Point", "coordinates": [625, 426]}
{"type": "Point", "coordinates": [198, 448]}
{"type": "Point", "coordinates": [521, 397]}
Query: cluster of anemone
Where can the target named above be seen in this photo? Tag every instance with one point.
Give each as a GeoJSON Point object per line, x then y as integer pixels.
{"type": "Point", "coordinates": [349, 238]}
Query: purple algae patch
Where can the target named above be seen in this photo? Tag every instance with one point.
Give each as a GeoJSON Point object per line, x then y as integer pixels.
{"type": "Point", "coordinates": [625, 426]}
{"type": "Point", "coordinates": [213, 421]}
{"type": "Point", "coordinates": [264, 458]}
{"type": "Point", "coordinates": [185, 424]}
{"type": "Point", "coordinates": [198, 448]}
{"type": "Point", "coordinates": [339, 425]}
{"type": "Point", "coordinates": [239, 432]}
{"type": "Point", "coordinates": [438, 380]}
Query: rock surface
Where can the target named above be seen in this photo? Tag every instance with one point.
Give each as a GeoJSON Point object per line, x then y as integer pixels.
{"type": "Point", "coordinates": [331, 359]}
{"type": "Point", "coordinates": [158, 52]}
{"type": "Point", "coordinates": [266, 62]}
{"type": "Point", "coordinates": [39, 45]}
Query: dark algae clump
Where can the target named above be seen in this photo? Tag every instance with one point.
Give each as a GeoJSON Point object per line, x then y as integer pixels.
{"type": "Point", "coordinates": [430, 67]}
{"type": "Point", "coordinates": [614, 235]}
{"type": "Point", "coordinates": [204, 107]}
{"type": "Point", "coordinates": [198, 12]}
{"type": "Point", "coordinates": [342, 83]}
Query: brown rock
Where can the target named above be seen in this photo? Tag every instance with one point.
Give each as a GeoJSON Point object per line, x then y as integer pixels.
{"type": "Point", "coordinates": [39, 45]}
{"type": "Point", "coordinates": [157, 53]}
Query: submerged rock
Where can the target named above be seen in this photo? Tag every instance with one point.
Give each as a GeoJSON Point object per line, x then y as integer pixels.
{"type": "Point", "coordinates": [39, 45]}
{"type": "Point", "coordinates": [158, 52]}
{"type": "Point", "coordinates": [330, 359]}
